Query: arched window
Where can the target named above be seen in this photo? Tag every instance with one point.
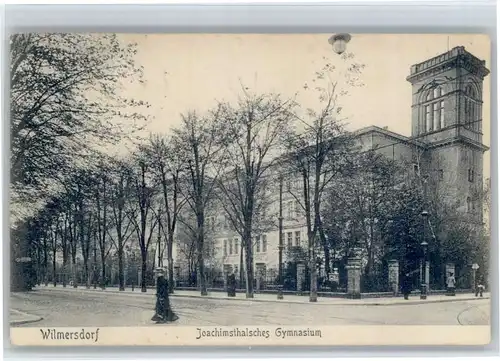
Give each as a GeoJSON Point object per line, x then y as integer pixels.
{"type": "Point", "coordinates": [471, 108]}
{"type": "Point", "coordinates": [469, 204]}
{"type": "Point", "coordinates": [469, 91]}
{"type": "Point", "coordinates": [434, 110]}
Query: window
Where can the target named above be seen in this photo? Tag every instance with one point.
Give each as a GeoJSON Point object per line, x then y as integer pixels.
{"type": "Point", "coordinates": [441, 114]}
{"type": "Point", "coordinates": [257, 243]}
{"type": "Point", "coordinates": [225, 247]}
{"type": "Point", "coordinates": [428, 118]}
{"type": "Point", "coordinates": [469, 204]}
{"type": "Point", "coordinates": [440, 174]}
{"type": "Point", "coordinates": [264, 243]}
{"type": "Point", "coordinates": [415, 169]}
{"type": "Point", "coordinates": [289, 240]}
{"type": "Point", "coordinates": [297, 238]}
{"type": "Point", "coordinates": [436, 116]}
{"type": "Point", "coordinates": [471, 175]}
{"type": "Point", "coordinates": [434, 111]}
{"type": "Point", "coordinates": [236, 246]}
{"type": "Point", "coordinates": [471, 108]}
{"type": "Point", "coordinates": [290, 210]}
{"type": "Point", "coordinates": [230, 246]}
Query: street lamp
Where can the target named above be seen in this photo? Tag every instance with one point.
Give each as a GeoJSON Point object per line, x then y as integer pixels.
{"type": "Point", "coordinates": [134, 270]}
{"type": "Point", "coordinates": [424, 263]}
{"type": "Point", "coordinates": [339, 42]}
{"type": "Point", "coordinates": [281, 246]}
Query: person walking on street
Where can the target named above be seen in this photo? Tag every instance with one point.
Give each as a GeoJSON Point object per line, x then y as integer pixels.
{"type": "Point", "coordinates": [406, 286]}
{"type": "Point", "coordinates": [163, 311]}
{"type": "Point", "coordinates": [231, 285]}
{"type": "Point", "coordinates": [480, 288]}
{"type": "Point", "coordinates": [450, 284]}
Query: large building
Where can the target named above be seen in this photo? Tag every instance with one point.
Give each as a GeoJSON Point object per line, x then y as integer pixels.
{"type": "Point", "coordinates": [446, 142]}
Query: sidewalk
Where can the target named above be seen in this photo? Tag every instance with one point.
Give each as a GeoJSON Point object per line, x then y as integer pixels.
{"type": "Point", "coordinates": [17, 318]}
{"type": "Point", "coordinates": [286, 298]}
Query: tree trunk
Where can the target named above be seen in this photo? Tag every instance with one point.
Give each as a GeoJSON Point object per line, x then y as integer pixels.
{"type": "Point", "coordinates": [313, 294]}
{"type": "Point", "coordinates": [170, 257]}
{"type": "Point", "coordinates": [143, 270]}
{"type": "Point", "coordinates": [200, 248]}
{"type": "Point", "coordinates": [64, 244]}
{"type": "Point", "coordinates": [121, 270]}
{"type": "Point", "coordinates": [103, 270]}
{"type": "Point", "coordinates": [94, 265]}
{"type": "Point", "coordinates": [65, 268]}
{"type": "Point", "coordinates": [75, 270]}
{"type": "Point", "coordinates": [326, 250]}
{"type": "Point", "coordinates": [248, 263]}
{"type": "Point", "coordinates": [45, 262]}
{"type": "Point", "coordinates": [54, 276]}
{"type": "Point", "coordinates": [89, 278]}
{"type": "Point", "coordinates": [201, 266]}
{"type": "Point", "coordinates": [242, 267]}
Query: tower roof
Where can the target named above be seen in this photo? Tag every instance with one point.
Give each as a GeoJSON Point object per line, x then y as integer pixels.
{"type": "Point", "coordinates": [456, 57]}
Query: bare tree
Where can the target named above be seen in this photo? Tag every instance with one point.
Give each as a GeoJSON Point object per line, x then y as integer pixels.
{"type": "Point", "coordinates": [256, 128]}
{"type": "Point", "coordinates": [101, 197]}
{"type": "Point", "coordinates": [121, 189]}
{"type": "Point", "coordinates": [64, 103]}
{"type": "Point", "coordinates": [318, 151]}
{"type": "Point", "coordinates": [201, 142]}
{"type": "Point", "coordinates": [168, 167]}
{"type": "Point", "coordinates": [145, 222]}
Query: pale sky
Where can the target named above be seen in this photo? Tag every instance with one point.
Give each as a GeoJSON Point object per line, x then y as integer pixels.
{"type": "Point", "coordinates": [192, 71]}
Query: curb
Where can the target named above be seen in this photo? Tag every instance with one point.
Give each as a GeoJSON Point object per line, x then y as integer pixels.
{"type": "Point", "coordinates": [399, 303]}
{"type": "Point", "coordinates": [331, 304]}
{"type": "Point", "coordinates": [30, 318]}
{"type": "Point", "coordinates": [426, 302]}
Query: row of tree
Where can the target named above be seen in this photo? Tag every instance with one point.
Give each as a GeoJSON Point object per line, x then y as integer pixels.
{"type": "Point", "coordinates": [65, 102]}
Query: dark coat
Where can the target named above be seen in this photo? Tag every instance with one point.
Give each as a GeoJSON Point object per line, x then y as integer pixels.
{"type": "Point", "coordinates": [232, 281]}
{"type": "Point", "coordinates": [406, 285]}
{"type": "Point", "coordinates": [163, 310]}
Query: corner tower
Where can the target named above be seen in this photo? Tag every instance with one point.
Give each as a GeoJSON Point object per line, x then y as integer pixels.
{"type": "Point", "coordinates": [447, 116]}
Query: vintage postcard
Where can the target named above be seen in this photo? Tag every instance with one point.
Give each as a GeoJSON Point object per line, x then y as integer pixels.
{"type": "Point", "coordinates": [249, 189]}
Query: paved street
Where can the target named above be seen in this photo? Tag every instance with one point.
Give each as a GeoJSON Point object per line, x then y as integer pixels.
{"type": "Point", "coordinates": [69, 307]}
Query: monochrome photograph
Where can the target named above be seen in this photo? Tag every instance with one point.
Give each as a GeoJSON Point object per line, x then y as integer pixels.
{"type": "Point", "coordinates": [248, 188]}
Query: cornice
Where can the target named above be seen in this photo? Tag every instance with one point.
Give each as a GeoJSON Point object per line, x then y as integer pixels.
{"type": "Point", "coordinates": [459, 139]}
{"type": "Point", "coordinates": [456, 58]}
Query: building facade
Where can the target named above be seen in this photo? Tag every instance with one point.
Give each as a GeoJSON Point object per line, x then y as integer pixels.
{"type": "Point", "coordinates": [445, 144]}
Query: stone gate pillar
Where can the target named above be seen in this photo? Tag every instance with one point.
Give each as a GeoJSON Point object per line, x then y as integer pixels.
{"type": "Point", "coordinates": [301, 273]}
{"type": "Point", "coordinates": [394, 276]}
{"type": "Point", "coordinates": [354, 276]}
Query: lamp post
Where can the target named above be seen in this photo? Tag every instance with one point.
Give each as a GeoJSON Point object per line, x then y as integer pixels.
{"type": "Point", "coordinates": [474, 267]}
{"type": "Point", "coordinates": [424, 263]}
{"type": "Point", "coordinates": [280, 235]}
{"type": "Point", "coordinates": [425, 271]}
{"type": "Point", "coordinates": [134, 271]}
{"type": "Point", "coordinates": [339, 42]}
